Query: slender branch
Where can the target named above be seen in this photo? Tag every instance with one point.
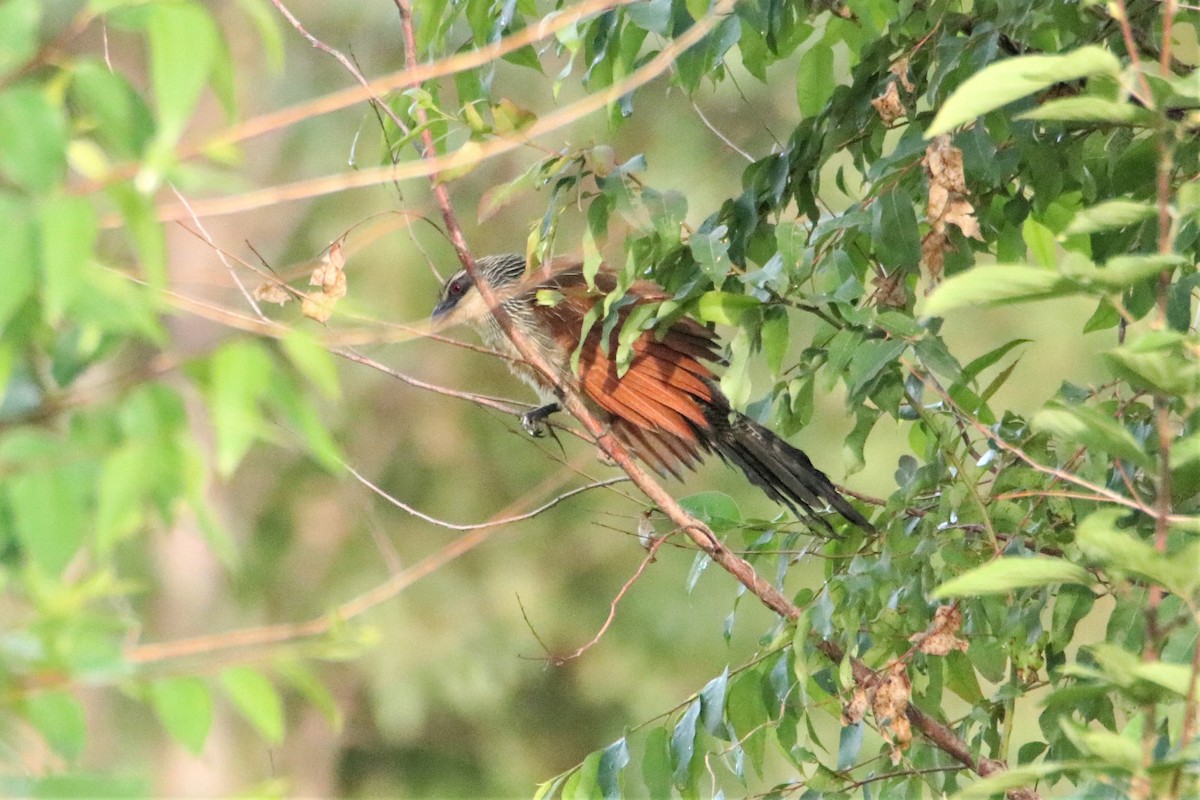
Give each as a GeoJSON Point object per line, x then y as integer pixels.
{"type": "Point", "coordinates": [612, 606]}
{"type": "Point", "coordinates": [492, 523]}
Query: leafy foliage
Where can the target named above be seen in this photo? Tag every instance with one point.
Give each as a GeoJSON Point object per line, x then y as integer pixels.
{"type": "Point", "coordinates": [943, 158]}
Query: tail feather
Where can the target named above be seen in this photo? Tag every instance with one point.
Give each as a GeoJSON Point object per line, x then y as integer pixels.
{"type": "Point", "coordinates": [782, 471]}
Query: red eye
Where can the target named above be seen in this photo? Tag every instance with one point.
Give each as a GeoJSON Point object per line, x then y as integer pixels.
{"type": "Point", "coordinates": [457, 287]}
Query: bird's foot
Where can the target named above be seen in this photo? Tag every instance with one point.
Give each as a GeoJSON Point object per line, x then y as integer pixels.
{"type": "Point", "coordinates": [534, 422]}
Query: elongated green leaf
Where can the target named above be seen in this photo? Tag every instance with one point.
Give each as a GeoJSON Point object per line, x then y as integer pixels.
{"type": "Point", "coordinates": [184, 43]}
{"type": "Point", "coordinates": [613, 761]}
{"type": "Point", "coordinates": [683, 745]}
{"type": "Point", "coordinates": [1109, 215]}
{"type": "Point", "coordinates": [1091, 428]}
{"type": "Point", "coordinates": [313, 361]}
{"type": "Point", "coordinates": [1158, 361]}
{"type": "Point", "coordinates": [998, 285]}
{"type": "Point", "coordinates": [814, 79]}
{"type": "Point", "coordinates": [241, 373]}
{"type": "Point", "coordinates": [656, 763]}
{"type": "Point", "coordinates": [1104, 543]}
{"type": "Point", "coordinates": [69, 230]}
{"type": "Point", "coordinates": [1000, 782]}
{"type": "Point", "coordinates": [1089, 109]}
{"type": "Point", "coordinates": [184, 706]}
{"type": "Point", "coordinates": [1008, 574]}
{"type": "Point", "coordinates": [1005, 81]}
{"type": "Point", "coordinates": [256, 699]}
{"type": "Point", "coordinates": [894, 230]}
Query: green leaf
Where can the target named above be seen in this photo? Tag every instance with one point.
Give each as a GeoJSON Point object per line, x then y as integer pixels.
{"type": "Point", "coordinates": [849, 744]}
{"type": "Point", "coordinates": [1158, 361]}
{"type": "Point", "coordinates": [1118, 550]}
{"type": "Point", "coordinates": [17, 243]}
{"type": "Point", "coordinates": [184, 706]}
{"type": "Point", "coordinates": [1000, 782]}
{"type": "Point", "coordinates": [1090, 109]}
{"type": "Point", "coordinates": [59, 718]}
{"type": "Point", "coordinates": [894, 230]}
{"type": "Point", "coordinates": [978, 365]}
{"type": "Point", "coordinates": [713, 508]}
{"type": "Point", "coordinates": [1042, 244]}
{"type": "Point", "coordinates": [724, 308]}
{"type": "Point", "coordinates": [121, 120]}
{"type": "Point", "coordinates": [961, 677]}
{"type": "Point", "coordinates": [1093, 429]}
{"type": "Point", "coordinates": [44, 481]}
{"type": "Point", "coordinates": [313, 361]}
{"type": "Point", "coordinates": [613, 760]}
{"type": "Point", "coordinates": [735, 383]}
{"type": "Point", "coordinates": [1001, 284]}
{"type": "Point", "coordinates": [711, 252]}
{"type": "Point", "coordinates": [257, 700]}
{"type": "Point", "coordinates": [1005, 81]}
{"type": "Point", "coordinates": [1119, 272]}
{"type": "Point", "coordinates": [240, 374]}
{"type": "Point", "coordinates": [123, 485]}
{"type": "Point", "coordinates": [1109, 215]}
{"type": "Point", "coordinates": [774, 333]}
{"type": "Point", "coordinates": [184, 45]}
{"type": "Point", "coordinates": [747, 713]}
{"type": "Point", "coordinates": [69, 230]}
{"type": "Point", "coordinates": [33, 139]}
{"type": "Point", "coordinates": [712, 704]}
{"type": "Point", "coordinates": [18, 32]}
{"type": "Point", "coordinates": [1004, 575]}
{"type": "Point", "coordinates": [582, 784]}
{"type": "Point", "coordinates": [656, 764]}
{"type": "Point", "coordinates": [814, 79]}
{"type": "Point", "coordinates": [683, 745]}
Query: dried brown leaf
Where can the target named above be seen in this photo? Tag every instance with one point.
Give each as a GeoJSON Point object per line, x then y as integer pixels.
{"type": "Point", "coordinates": [888, 105]}
{"type": "Point", "coordinates": [856, 707]}
{"type": "Point", "coordinates": [939, 638]}
{"type": "Point", "coordinates": [899, 68]}
{"type": "Point", "coordinates": [962, 213]}
{"type": "Point", "coordinates": [272, 293]}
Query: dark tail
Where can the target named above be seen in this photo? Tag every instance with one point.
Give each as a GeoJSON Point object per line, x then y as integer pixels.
{"type": "Point", "coordinates": [784, 472]}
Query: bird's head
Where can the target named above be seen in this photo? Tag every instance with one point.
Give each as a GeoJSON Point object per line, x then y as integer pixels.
{"type": "Point", "coordinates": [460, 300]}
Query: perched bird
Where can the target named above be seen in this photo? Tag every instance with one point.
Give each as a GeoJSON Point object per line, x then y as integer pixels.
{"type": "Point", "coordinates": [666, 407]}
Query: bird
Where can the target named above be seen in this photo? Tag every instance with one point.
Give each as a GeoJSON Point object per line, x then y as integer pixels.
{"type": "Point", "coordinates": [666, 406]}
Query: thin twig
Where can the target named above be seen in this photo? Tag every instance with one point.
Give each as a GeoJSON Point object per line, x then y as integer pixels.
{"type": "Point", "coordinates": [612, 606]}
{"type": "Point", "coordinates": [350, 66]}
{"type": "Point", "coordinates": [473, 526]}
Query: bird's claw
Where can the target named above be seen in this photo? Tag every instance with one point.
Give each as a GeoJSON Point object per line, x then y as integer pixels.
{"type": "Point", "coordinates": [534, 421]}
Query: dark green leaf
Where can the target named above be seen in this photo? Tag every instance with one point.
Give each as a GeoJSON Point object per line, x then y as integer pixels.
{"type": "Point", "coordinates": [849, 744]}
{"type": "Point", "coordinates": [894, 231]}
{"type": "Point", "coordinates": [683, 745]}
{"type": "Point", "coordinates": [613, 760]}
